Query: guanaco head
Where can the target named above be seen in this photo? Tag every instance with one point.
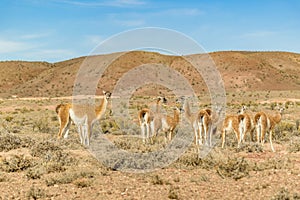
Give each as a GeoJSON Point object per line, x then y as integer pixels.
{"type": "Point", "coordinates": [178, 110]}
{"type": "Point", "coordinates": [242, 110]}
{"type": "Point", "coordinates": [281, 110]}
{"type": "Point", "coordinates": [107, 94]}
{"type": "Point", "coordinates": [162, 99]}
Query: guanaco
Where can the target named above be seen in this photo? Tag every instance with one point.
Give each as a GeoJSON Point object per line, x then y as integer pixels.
{"type": "Point", "coordinates": [200, 121]}
{"type": "Point", "coordinates": [165, 123]}
{"type": "Point", "coordinates": [231, 123]}
{"type": "Point", "coordinates": [204, 124]}
{"type": "Point", "coordinates": [84, 117]}
{"type": "Point", "coordinates": [246, 123]}
{"type": "Point", "coordinates": [266, 123]}
{"type": "Point", "coordinates": [146, 116]}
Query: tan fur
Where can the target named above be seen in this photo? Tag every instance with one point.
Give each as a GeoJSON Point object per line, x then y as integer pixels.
{"type": "Point", "coordinates": [246, 123]}
{"type": "Point", "coordinates": [146, 115]}
{"type": "Point", "coordinates": [200, 121]}
{"type": "Point", "coordinates": [84, 116]}
{"type": "Point", "coordinates": [266, 123]}
{"type": "Point", "coordinates": [204, 123]}
{"type": "Point", "coordinates": [62, 111]}
{"type": "Point", "coordinates": [166, 123]}
{"type": "Point", "coordinates": [231, 123]}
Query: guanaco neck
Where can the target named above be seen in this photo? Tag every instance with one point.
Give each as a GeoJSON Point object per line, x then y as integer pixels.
{"type": "Point", "coordinates": [277, 117]}
{"type": "Point", "coordinates": [187, 111]}
{"type": "Point", "coordinates": [101, 108]}
{"type": "Point", "coordinates": [176, 115]}
{"type": "Point", "coordinates": [158, 105]}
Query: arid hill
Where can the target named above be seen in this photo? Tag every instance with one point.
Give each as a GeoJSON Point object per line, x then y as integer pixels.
{"type": "Point", "coordinates": [241, 71]}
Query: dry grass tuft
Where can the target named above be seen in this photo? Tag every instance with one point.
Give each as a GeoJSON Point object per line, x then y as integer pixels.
{"type": "Point", "coordinates": [294, 146]}
{"type": "Point", "coordinates": [156, 180]}
{"type": "Point", "coordinates": [16, 163]}
{"type": "Point", "coordinates": [50, 152]}
{"type": "Point", "coordinates": [250, 148]}
{"type": "Point", "coordinates": [173, 194]}
{"type": "Point", "coordinates": [78, 178]}
{"type": "Point", "coordinates": [284, 194]}
{"type": "Point", "coordinates": [9, 141]}
{"type": "Point", "coordinates": [36, 193]}
{"type": "Point", "coordinates": [236, 168]}
{"type": "Point", "coordinates": [273, 163]}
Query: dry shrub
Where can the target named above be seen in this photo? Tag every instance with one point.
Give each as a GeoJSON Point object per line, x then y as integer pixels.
{"type": "Point", "coordinates": [51, 152]}
{"type": "Point", "coordinates": [156, 180]}
{"type": "Point", "coordinates": [191, 160]}
{"type": "Point", "coordinates": [294, 146]}
{"type": "Point", "coordinates": [285, 126]}
{"type": "Point", "coordinates": [9, 141]}
{"type": "Point", "coordinates": [284, 194]}
{"type": "Point", "coordinates": [35, 172]}
{"type": "Point", "coordinates": [284, 131]}
{"type": "Point", "coordinates": [173, 194]}
{"type": "Point", "coordinates": [236, 168]}
{"type": "Point", "coordinates": [273, 163]}
{"type": "Point", "coordinates": [3, 177]}
{"type": "Point", "coordinates": [9, 118]}
{"type": "Point", "coordinates": [250, 148]}
{"type": "Point", "coordinates": [36, 193]}
{"type": "Point", "coordinates": [296, 133]}
{"type": "Point", "coordinates": [60, 179]}
{"type": "Point", "coordinates": [109, 126]}
{"type": "Point", "coordinates": [82, 182]}
{"type": "Point", "coordinates": [135, 144]}
{"type": "Point", "coordinates": [42, 125]}
{"type": "Point", "coordinates": [16, 163]}
{"type": "Point", "coordinates": [69, 177]}
{"type": "Point", "coordinates": [53, 158]}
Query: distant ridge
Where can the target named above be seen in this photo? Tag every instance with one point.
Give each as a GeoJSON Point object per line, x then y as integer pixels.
{"type": "Point", "coordinates": [240, 70]}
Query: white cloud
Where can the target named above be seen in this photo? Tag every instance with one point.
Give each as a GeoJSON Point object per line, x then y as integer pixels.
{"type": "Point", "coordinates": [49, 55]}
{"type": "Point", "coordinates": [7, 46]}
{"type": "Point", "coordinates": [115, 3]}
{"type": "Point", "coordinates": [34, 36]}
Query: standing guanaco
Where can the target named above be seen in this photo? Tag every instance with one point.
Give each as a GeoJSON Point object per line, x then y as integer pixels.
{"type": "Point", "coordinates": [146, 116]}
{"type": "Point", "coordinates": [266, 123]}
{"type": "Point", "coordinates": [84, 116]}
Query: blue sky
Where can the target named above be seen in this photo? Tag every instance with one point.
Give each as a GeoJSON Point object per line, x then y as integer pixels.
{"type": "Point", "coordinates": [55, 30]}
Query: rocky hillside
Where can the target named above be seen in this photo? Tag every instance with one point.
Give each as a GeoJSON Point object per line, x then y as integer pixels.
{"type": "Point", "coordinates": [241, 71]}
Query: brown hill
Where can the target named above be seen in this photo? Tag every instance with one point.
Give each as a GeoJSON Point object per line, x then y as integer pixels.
{"type": "Point", "coordinates": [241, 71]}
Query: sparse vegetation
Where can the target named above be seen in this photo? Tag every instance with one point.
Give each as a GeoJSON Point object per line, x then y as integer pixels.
{"type": "Point", "coordinates": [236, 168]}
{"type": "Point", "coordinates": [173, 194]}
{"type": "Point", "coordinates": [9, 141]}
{"type": "Point", "coordinates": [37, 166]}
{"type": "Point", "coordinates": [16, 163]}
{"type": "Point", "coordinates": [284, 194]}
{"type": "Point", "coordinates": [36, 193]}
{"type": "Point", "coordinates": [80, 179]}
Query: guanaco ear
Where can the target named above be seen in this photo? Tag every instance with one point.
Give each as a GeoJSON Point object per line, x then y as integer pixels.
{"type": "Point", "coordinates": [104, 92]}
{"type": "Point", "coordinates": [181, 110]}
{"type": "Point", "coordinates": [174, 108]}
{"type": "Point", "coordinates": [164, 100]}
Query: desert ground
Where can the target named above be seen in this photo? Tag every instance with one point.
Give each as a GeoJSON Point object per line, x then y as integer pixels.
{"type": "Point", "coordinates": [34, 164]}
